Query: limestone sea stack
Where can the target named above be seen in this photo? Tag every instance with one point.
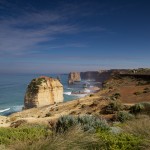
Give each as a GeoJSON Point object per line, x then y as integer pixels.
{"type": "Point", "coordinates": [74, 77]}
{"type": "Point", "coordinates": [43, 91]}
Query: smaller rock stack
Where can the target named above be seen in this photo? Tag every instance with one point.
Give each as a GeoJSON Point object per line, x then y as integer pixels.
{"type": "Point", "coordinates": [74, 77]}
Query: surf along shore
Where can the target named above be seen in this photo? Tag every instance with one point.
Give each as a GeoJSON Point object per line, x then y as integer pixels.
{"type": "Point", "coordinates": [86, 87]}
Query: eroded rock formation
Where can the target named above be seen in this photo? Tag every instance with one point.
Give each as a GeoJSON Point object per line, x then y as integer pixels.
{"type": "Point", "coordinates": [74, 77]}
{"type": "Point", "coordinates": [43, 91]}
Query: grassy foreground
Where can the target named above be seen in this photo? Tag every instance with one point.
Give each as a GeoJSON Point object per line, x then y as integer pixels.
{"type": "Point", "coordinates": [77, 133]}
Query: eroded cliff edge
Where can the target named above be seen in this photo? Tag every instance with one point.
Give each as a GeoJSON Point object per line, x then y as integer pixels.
{"type": "Point", "coordinates": [43, 91]}
{"type": "Point", "coordinates": [99, 76]}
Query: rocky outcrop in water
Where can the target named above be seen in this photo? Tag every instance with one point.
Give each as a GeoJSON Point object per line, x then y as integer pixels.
{"type": "Point", "coordinates": [74, 77]}
{"type": "Point", "coordinates": [43, 91]}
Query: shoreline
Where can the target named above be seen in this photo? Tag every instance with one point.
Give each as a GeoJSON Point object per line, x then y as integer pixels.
{"type": "Point", "coordinates": [92, 104]}
{"type": "Point", "coordinates": [38, 115]}
{"type": "Point", "coordinates": [93, 89]}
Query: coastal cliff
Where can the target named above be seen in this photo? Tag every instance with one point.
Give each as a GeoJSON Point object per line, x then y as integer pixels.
{"type": "Point", "coordinates": [43, 91]}
{"type": "Point", "coordinates": [74, 77]}
{"type": "Point", "coordinates": [99, 76]}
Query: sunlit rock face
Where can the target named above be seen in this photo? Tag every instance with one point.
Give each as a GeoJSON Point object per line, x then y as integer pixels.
{"type": "Point", "coordinates": [74, 77]}
{"type": "Point", "coordinates": [43, 91]}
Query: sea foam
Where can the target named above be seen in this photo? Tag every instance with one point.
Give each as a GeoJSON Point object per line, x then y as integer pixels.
{"type": "Point", "coordinates": [3, 110]}
{"type": "Point", "coordinates": [67, 93]}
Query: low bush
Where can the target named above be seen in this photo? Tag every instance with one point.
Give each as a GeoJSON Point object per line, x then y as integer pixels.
{"type": "Point", "coordinates": [114, 106]}
{"type": "Point", "coordinates": [137, 108]}
{"type": "Point", "coordinates": [86, 122]}
{"type": "Point", "coordinates": [65, 122]}
{"type": "Point", "coordinates": [123, 116]}
{"type": "Point", "coordinates": [91, 123]}
{"type": "Point", "coordinates": [122, 141]}
{"type": "Point", "coordinates": [115, 96]}
{"type": "Point", "coordinates": [25, 133]}
{"type": "Point", "coordinates": [139, 127]}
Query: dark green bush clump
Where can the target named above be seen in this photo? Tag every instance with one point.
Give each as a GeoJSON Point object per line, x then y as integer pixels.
{"type": "Point", "coordinates": [113, 107]}
{"type": "Point", "coordinates": [115, 96]}
{"type": "Point", "coordinates": [123, 116]}
{"type": "Point", "coordinates": [65, 122]}
{"type": "Point", "coordinates": [141, 108]}
{"type": "Point", "coordinates": [137, 108]}
{"type": "Point", "coordinates": [33, 87]}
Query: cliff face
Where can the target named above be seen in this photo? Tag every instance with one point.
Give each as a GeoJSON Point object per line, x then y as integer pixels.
{"type": "Point", "coordinates": [43, 91]}
{"type": "Point", "coordinates": [100, 76]}
{"type": "Point", "coordinates": [74, 77]}
{"type": "Point", "coordinates": [90, 75]}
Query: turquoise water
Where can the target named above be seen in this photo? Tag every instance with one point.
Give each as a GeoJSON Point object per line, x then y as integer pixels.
{"type": "Point", "coordinates": [13, 87]}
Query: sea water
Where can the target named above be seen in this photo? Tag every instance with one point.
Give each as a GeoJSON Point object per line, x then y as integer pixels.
{"type": "Point", "coordinates": [13, 88]}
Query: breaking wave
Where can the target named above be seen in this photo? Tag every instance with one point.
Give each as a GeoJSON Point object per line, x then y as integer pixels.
{"type": "Point", "coordinates": [3, 110]}
{"type": "Point", "coordinates": [67, 93]}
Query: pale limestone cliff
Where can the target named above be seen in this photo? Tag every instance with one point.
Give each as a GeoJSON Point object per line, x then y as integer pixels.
{"type": "Point", "coordinates": [43, 91]}
{"type": "Point", "coordinates": [74, 77]}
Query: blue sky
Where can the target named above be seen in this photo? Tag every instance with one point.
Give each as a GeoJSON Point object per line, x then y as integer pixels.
{"type": "Point", "coordinates": [59, 36]}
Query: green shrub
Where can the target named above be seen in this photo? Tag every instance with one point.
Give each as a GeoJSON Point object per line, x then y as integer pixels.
{"type": "Point", "coordinates": [114, 106]}
{"type": "Point", "coordinates": [115, 96]}
{"type": "Point", "coordinates": [86, 122]}
{"type": "Point", "coordinates": [122, 141]}
{"type": "Point", "coordinates": [33, 87]}
{"type": "Point", "coordinates": [140, 127]}
{"type": "Point", "coordinates": [65, 122]}
{"type": "Point", "coordinates": [123, 116]}
{"type": "Point", "coordinates": [91, 123]}
{"type": "Point", "coordinates": [24, 133]}
{"type": "Point", "coordinates": [137, 108]}
{"type": "Point", "coordinates": [141, 108]}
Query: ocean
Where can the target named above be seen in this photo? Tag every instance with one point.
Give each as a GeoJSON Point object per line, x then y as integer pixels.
{"type": "Point", "coordinates": [13, 88]}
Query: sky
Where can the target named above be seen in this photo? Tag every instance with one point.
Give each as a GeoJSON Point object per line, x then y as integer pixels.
{"type": "Point", "coordinates": [59, 36]}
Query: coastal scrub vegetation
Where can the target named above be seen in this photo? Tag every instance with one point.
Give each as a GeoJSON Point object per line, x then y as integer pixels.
{"type": "Point", "coordinates": [33, 87]}
{"type": "Point", "coordinates": [141, 108]}
{"type": "Point", "coordinates": [86, 122]}
{"type": "Point", "coordinates": [115, 96]}
{"type": "Point", "coordinates": [123, 116]}
{"type": "Point", "coordinates": [84, 132]}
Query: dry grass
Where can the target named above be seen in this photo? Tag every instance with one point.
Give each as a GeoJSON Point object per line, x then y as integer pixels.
{"type": "Point", "coordinates": [140, 127]}
{"type": "Point", "coordinates": [74, 139]}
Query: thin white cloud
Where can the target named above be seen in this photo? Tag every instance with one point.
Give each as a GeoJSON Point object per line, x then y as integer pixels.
{"type": "Point", "coordinates": [23, 33]}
